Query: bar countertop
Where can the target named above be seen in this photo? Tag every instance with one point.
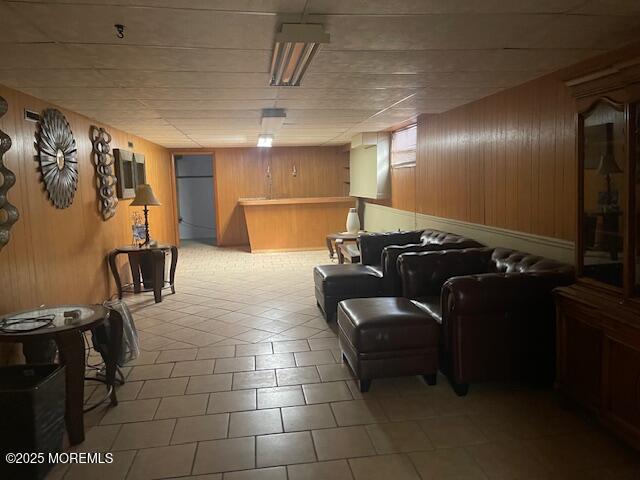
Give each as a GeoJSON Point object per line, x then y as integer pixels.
{"type": "Point", "coordinates": [248, 202]}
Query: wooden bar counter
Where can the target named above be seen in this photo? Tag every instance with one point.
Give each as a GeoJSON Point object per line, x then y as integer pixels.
{"type": "Point", "coordinates": [287, 224]}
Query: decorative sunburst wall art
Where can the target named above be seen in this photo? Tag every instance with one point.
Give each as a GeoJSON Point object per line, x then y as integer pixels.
{"type": "Point", "coordinates": [58, 157]}
{"type": "Point", "coordinates": [8, 213]}
{"type": "Point", "coordinates": [106, 180]}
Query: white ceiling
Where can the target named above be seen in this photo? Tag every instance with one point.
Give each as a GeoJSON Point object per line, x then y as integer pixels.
{"type": "Point", "coordinates": [194, 73]}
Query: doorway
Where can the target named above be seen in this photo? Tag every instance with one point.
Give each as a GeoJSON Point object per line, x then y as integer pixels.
{"type": "Point", "coordinates": [196, 204]}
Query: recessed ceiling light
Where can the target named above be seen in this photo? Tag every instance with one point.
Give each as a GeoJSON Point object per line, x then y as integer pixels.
{"type": "Point", "coordinates": [295, 47]}
{"type": "Point", "coordinates": [265, 140]}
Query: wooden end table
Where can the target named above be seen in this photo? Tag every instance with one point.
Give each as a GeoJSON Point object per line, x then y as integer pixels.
{"type": "Point", "coordinates": [333, 240]}
{"type": "Point", "coordinates": [147, 269]}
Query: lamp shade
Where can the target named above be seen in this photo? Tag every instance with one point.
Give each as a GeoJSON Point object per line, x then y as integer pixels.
{"type": "Point", "coordinates": [145, 196]}
{"type": "Point", "coordinates": [608, 165]}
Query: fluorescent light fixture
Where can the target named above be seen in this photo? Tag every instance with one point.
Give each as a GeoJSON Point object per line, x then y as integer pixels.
{"type": "Point", "coordinates": [272, 119]}
{"type": "Point", "coordinates": [265, 140]}
{"type": "Point", "coordinates": [295, 47]}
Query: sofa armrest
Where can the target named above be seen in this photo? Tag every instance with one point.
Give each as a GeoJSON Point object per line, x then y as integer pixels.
{"type": "Point", "coordinates": [424, 273]}
{"type": "Point", "coordinates": [500, 292]}
{"type": "Point", "coordinates": [390, 255]}
{"type": "Point", "coordinates": [372, 244]}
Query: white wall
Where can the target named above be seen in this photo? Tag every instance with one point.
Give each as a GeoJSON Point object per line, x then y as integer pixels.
{"type": "Point", "coordinates": [195, 196]}
{"type": "Point", "coordinates": [378, 218]}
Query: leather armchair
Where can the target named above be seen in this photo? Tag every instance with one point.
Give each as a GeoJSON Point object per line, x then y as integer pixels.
{"type": "Point", "coordinates": [495, 309]}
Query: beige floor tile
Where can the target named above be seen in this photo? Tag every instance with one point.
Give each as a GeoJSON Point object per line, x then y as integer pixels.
{"type": "Point", "coordinates": [155, 433]}
{"type": "Point", "coordinates": [358, 412]}
{"type": "Point", "coordinates": [326, 392]}
{"type": "Point", "coordinates": [271, 473]}
{"type": "Point", "coordinates": [344, 442]}
{"type": "Point", "coordinates": [284, 449]}
{"type": "Point", "coordinates": [165, 387]}
{"type": "Point", "coordinates": [98, 438]}
{"type": "Point", "coordinates": [144, 358]}
{"type": "Point", "coordinates": [162, 462]}
{"type": "Point", "coordinates": [288, 346]}
{"type": "Point", "coordinates": [255, 422]}
{"type": "Point", "coordinates": [506, 460]}
{"type": "Point", "coordinates": [204, 427]}
{"type": "Point", "coordinates": [216, 351]}
{"type": "Point", "coordinates": [131, 411]}
{"type": "Point", "coordinates": [257, 379]}
{"type": "Point", "coordinates": [319, 357]}
{"type": "Point", "coordinates": [206, 476]}
{"type": "Point", "coordinates": [276, 360]}
{"type": "Point", "coordinates": [407, 408]}
{"type": "Point", "coordinates": [209, 383]}
{"type": "Point", "coordinates": [193, 367]}
{"type": "Point", "coordinates": [338, 371]}
{"type": "Point", "coordinates": [383, 467]}
{"type": "Point", "coordinates": [254, 349]}
{"type": "Point", "coordinates": [225, 455]}
{"type": "Point", "coordinates": [297, 376]}
{"type": "Point", "coordinates": [398, 437]}
{"type": "Point", "coordinates": [280, 397]}
{"type": "Point", "coordinates": [447, 464]}
{"type": "Point", "coordinates": [323, 343]}
{"type": "Point", "coordinates": [254, 336]}
{"type": "Point", "coordinates": [182, 406]}
{"type": "Point", "coordinates": [178, 355]}
{"type": "Point", "coordinates": [334, 470]}
{"type": "Point", "coordinates": [452, 431]}
{"type": "Point", "coordinates": [307, 417]}
{"type": "Point", "coordinates": [117, 470]}
{"type": "Point", "coordinates": [235, 364]}
{"type": "Point", "coordinates": [232, 401]}
{"type": "Point", "coordinates": [148, 372]}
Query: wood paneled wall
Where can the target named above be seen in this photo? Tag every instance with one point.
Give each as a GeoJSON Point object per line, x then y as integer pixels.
{"type": "Point", "coordinates": [59, 256]}
{"type": "Point", "coordinates": [242, 172]}
{"type": "Point", "coordinates": [507, 160]}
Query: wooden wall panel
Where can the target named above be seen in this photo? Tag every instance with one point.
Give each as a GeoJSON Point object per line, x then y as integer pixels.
{"type": "Point", "coordinates": [403, 188]}
{"type": "Point", "coordinates": [58, 256]}
{"type": "Point", "coordinates": [507, 160]}
{"type": "Point", "coordinates": [241, 172]}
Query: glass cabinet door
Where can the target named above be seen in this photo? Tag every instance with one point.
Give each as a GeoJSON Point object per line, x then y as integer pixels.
{"type": "Point", "coordinates": [604, 193]}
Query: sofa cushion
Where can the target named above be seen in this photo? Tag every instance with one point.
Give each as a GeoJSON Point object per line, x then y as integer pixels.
{"type": "Point", "coordinates": [385, 324]}
{"type": "Point", "coordinates": [352, 279]}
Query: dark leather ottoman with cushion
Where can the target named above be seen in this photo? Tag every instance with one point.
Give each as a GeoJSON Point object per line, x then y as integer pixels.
{"type": "Point", "coordinates": [387, 337]}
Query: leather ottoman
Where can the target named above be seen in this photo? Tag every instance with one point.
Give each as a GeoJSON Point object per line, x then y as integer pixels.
{"type": "Point", "coordinates": [387, 337]}
{"type": "Point", "coordinates": [338, 282]}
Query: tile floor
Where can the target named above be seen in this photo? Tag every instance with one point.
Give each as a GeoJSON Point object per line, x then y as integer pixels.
{"type": "Point", "coordinates": [240, 378]}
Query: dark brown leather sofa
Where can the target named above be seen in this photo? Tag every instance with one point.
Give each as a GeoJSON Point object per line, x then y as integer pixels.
{"type": "Point", "coordinates": [495, 309]}
{"type": "Point", "coordinates": [377, 275]}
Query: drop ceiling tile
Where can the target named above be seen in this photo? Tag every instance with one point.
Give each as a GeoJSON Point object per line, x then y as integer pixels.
{"type": "Point", "coordinates": [150, 26]}
{"type": "Point", "coordinates": [148, 78]}
{"type": "Point", "coordinates": [53, 78]}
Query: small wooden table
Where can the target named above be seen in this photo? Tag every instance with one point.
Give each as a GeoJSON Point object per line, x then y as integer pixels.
{"type": "Point", "coordinates": [335, 239]}
{"type": "Point", "coordinates": [147, 269]}
{"type": "Point", "coordinates": [68, 335]}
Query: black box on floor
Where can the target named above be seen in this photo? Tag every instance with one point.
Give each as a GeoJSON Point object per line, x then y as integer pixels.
{"type": "Point", "coordinates": [32, 408]}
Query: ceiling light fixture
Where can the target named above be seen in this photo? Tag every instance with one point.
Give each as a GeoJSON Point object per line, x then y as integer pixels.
{"type": "Point", "coordinates": [296, 44]}
{"type": "Point", "coordinates": [265, 140]}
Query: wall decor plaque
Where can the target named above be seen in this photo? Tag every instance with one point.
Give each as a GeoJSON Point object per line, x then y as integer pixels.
{"type": "Point", "coordinates": [58, 157]}
{"type": "Point", "coordinates": [8, 213]}
{"type": "Point", "coordinates": [106, 179]}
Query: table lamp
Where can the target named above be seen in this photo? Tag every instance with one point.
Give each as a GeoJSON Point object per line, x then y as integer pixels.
{"type": "Point", "coordinates": [608, 167]}
{"type": "Point", "coordinates": [144, 198]}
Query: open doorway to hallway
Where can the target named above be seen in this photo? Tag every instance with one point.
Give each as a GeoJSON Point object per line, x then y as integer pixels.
{"type": "Point", "coordinates": [196, 203]}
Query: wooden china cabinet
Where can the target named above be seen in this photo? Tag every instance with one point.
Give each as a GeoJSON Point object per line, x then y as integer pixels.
{"type": "Point", "coordinates": [598, 318]}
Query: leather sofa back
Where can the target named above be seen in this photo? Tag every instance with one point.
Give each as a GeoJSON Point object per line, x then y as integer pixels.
{"type": "Point", "coordinates": [372, 244]}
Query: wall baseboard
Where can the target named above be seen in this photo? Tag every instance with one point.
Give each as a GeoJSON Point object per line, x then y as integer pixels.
{"type": "Point", "coordinates": [381, 218]}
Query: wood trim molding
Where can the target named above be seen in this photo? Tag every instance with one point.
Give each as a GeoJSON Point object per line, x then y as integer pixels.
{"type": "Point", "coordinates": [381, 218]}
{"type": "Point", "coordinates": [245, 202]}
